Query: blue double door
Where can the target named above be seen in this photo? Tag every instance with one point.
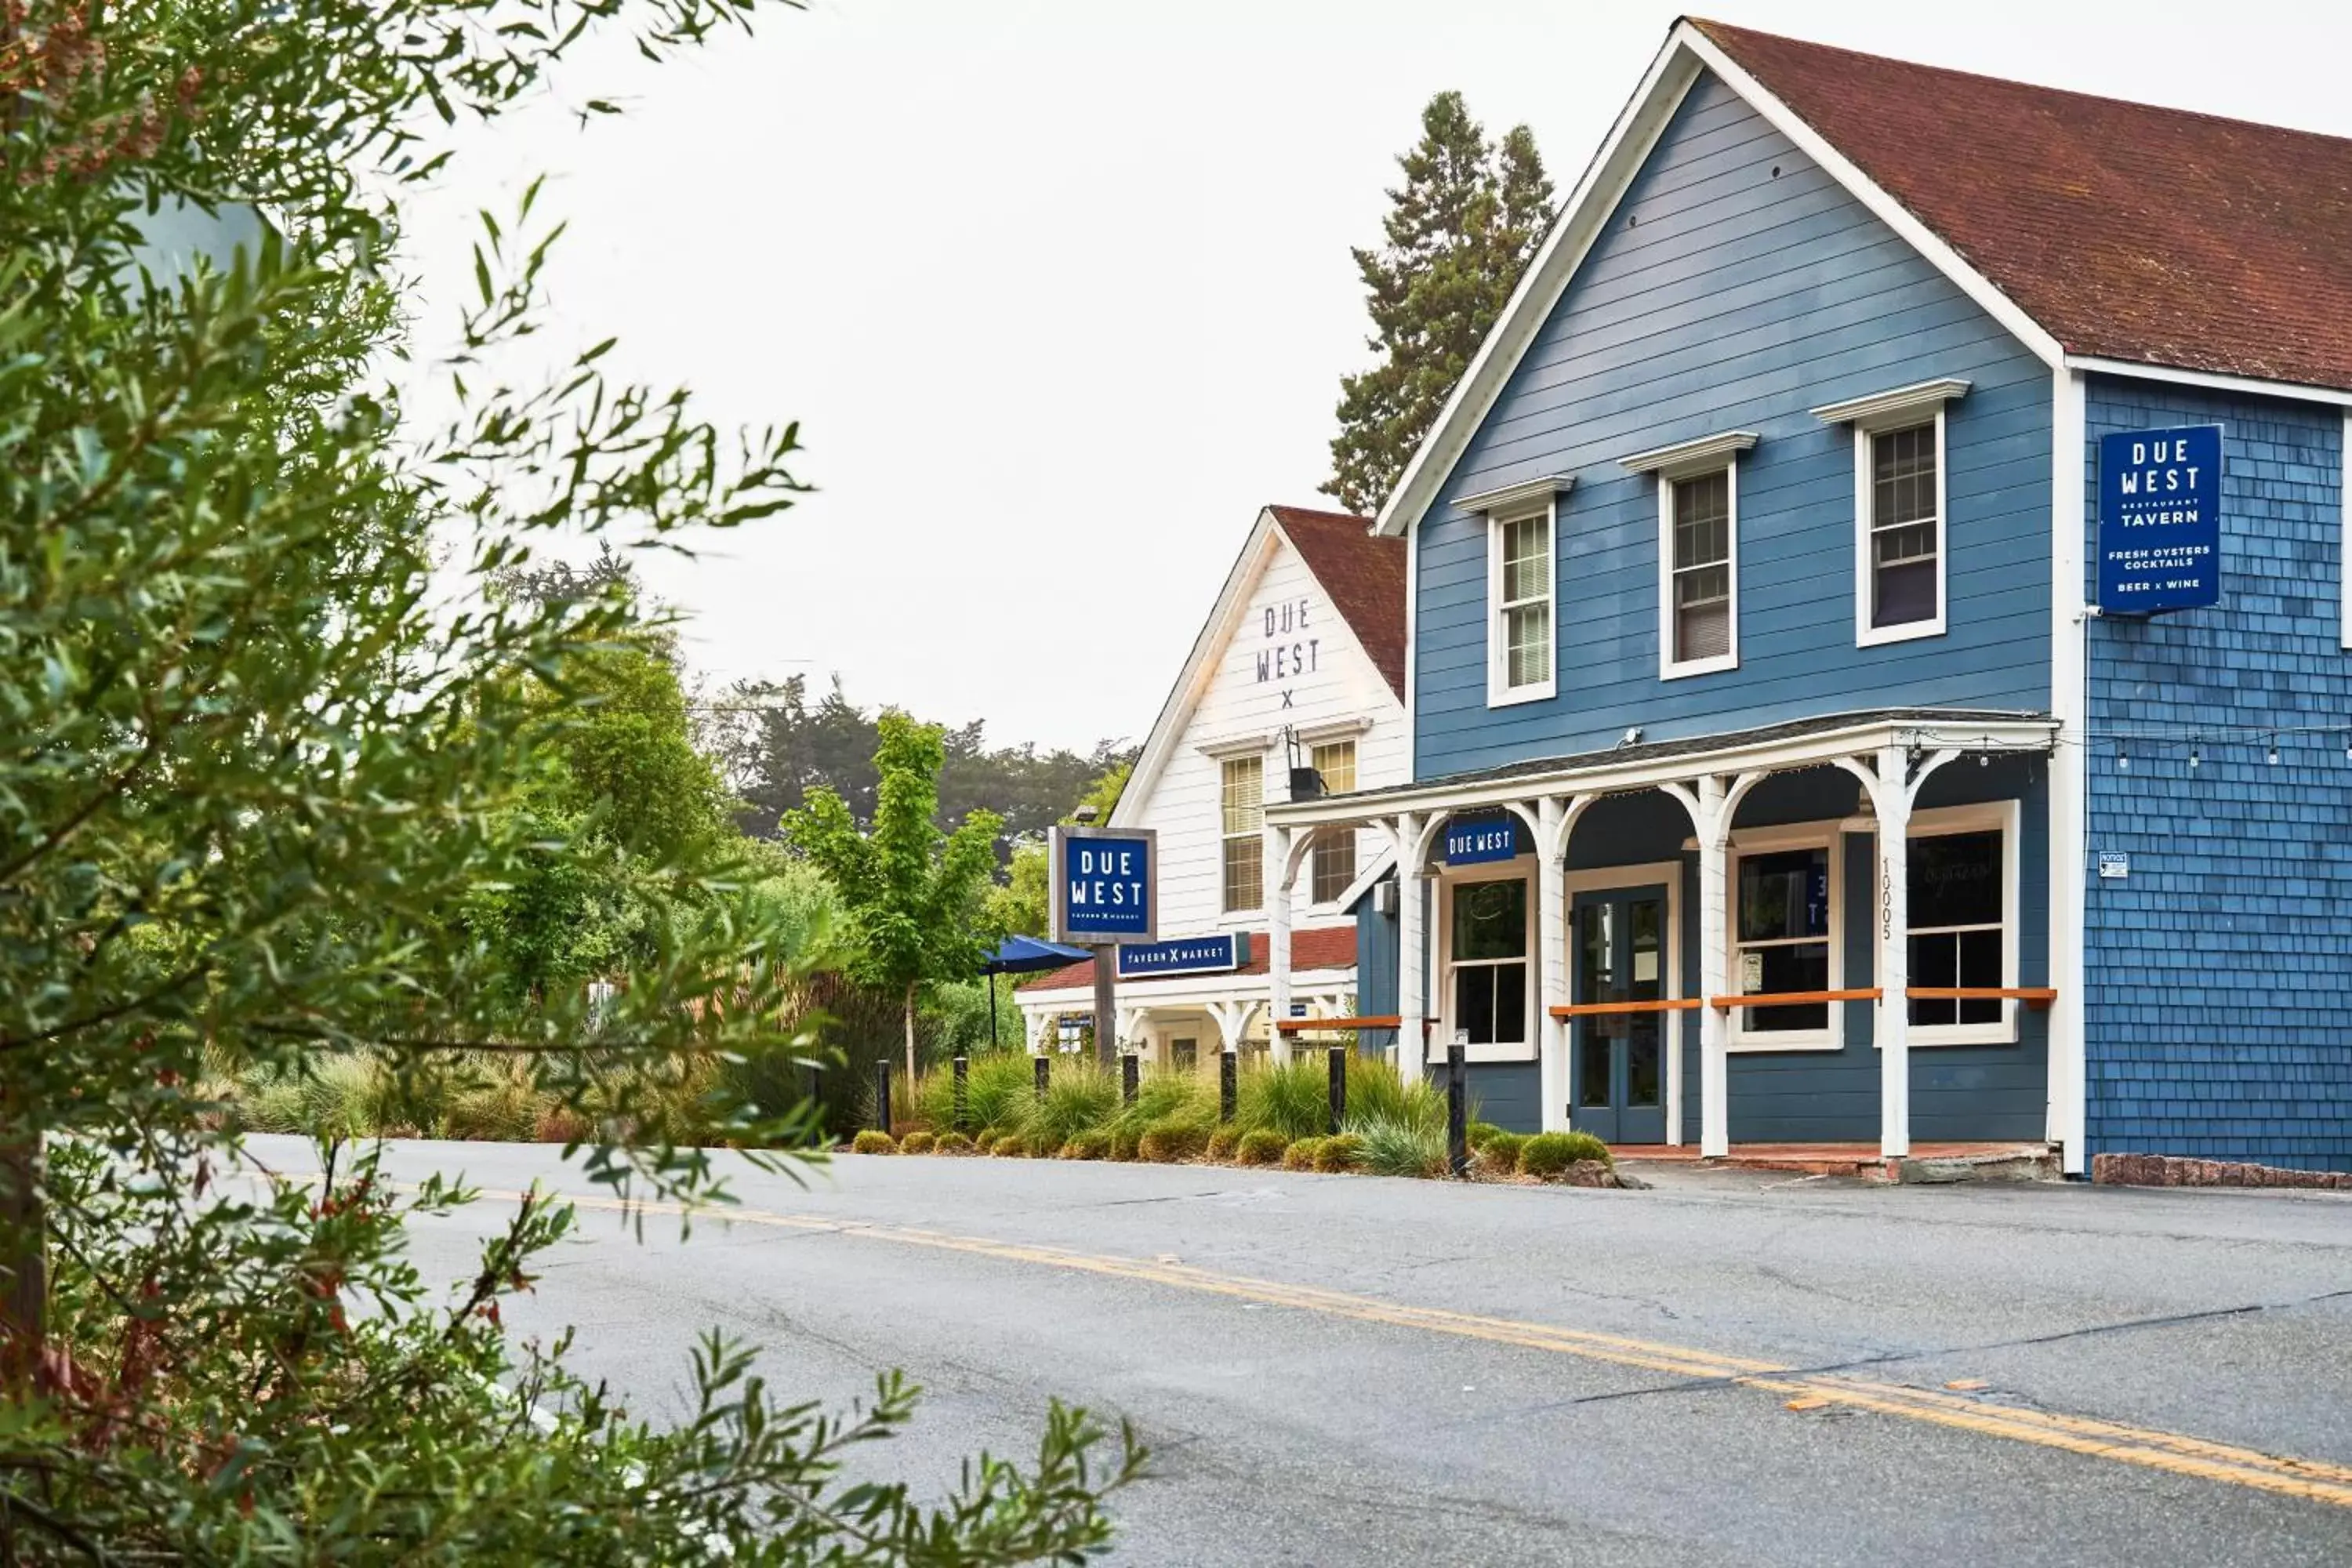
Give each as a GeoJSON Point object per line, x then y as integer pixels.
{"type": "Point", "coordinates": [1617, 1060]}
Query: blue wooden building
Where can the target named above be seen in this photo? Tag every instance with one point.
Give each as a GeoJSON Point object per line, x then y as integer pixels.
{"type": "Point", "coordinates": [1777, 770]}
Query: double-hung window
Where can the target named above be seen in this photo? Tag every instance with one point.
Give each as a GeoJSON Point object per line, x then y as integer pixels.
{"type": "Point", "coordinates": [1335, 847]}
{"type": "Point", "coordinates": [1242, 810]}
{"type": "Point", "coordinates": [1960, 904]}
{"type": "Point", "coordinates": [1522, 550]}
{"type": "Point", "coordinates": [1783, 942]}
{"type": "Point", "coordinates": [1699, 551]}
{"type": "Point", "coordinates": [1902, 537]}
{"type": "Point", "coordinates": [1486, 962]}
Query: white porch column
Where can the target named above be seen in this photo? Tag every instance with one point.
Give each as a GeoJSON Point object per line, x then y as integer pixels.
{"type": "Point", "coordinates": [1278, 938]}
{"type": "Point", "coordinates": [1551, 927]}
{"type": "Point", "coordinates": [1891, 1021]}
{"type": "Point", "coordinates": [1713, 819]}
{"type": "Point", "coordinates": [1410, 963]}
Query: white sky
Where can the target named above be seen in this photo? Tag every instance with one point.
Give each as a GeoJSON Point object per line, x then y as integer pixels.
{"type": "Point", "coordinates": [1060, 293]}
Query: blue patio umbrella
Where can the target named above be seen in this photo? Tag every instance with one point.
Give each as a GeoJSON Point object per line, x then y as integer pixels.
{"type": "Point", "coordinates": [1023, 955]}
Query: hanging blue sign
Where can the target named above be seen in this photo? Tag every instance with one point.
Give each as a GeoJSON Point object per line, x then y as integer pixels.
{"type": "Point", "coordinates": [1184, 955]}
{"type": "Point", "coordinates": [1103, 882]}
{"type": "Point", "coordinates": [1480, 839]}
{"type": "Point", "coordinates": [2159, 519]}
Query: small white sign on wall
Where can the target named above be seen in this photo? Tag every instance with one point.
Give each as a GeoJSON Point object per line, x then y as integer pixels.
{"type": "Point", "coordinates": [1751, 972]}
{"type": "Point", "coordinates": [2114, 863]}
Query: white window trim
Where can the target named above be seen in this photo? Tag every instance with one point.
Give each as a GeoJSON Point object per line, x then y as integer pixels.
{"type": "Point", "coordinates": [1865, 634]}
{"type": "Point", "coordinates": [1611, 878]}
{"type": "Point", "coordinates": [2001, 817]}
{"type": "Point", "coordinates": [1332, 737]}
{"type": "Point", "coordinates": [1499, 692]}
{"type": "Point", "coordinates": [1670, 667]}
{"type": "Point", "coordinates": [1522, 869]}
{"type": "Point", "coordinates": [1251, 915]}
{"type": "Point", "coordinates": [1822, 836]}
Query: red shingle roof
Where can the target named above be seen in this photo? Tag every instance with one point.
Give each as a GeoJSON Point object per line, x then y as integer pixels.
{"type": "Point", "coordinates": [1323, 947]}
{"type": "Point", "coordinates": [2127, 231]}
{"type": "Point", "coordinates": [1363, 574]}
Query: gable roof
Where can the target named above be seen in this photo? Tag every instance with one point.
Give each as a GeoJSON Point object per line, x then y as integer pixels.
{"type": "Point", "coordinates": [1364, 576]}
{"type": "Point", "coordinates": [2129, 232]}
{"type": "Point", "coordinates": [1363, 573]}
{"type": "Point", "coordinates": [2098, 233]}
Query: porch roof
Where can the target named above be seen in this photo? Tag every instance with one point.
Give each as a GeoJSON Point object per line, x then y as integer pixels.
{"type": "Point", "coordinates": [1801, 743]}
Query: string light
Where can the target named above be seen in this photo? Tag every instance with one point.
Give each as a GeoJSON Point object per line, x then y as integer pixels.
{"type": "Point", "coordinates": [2123, 758]}
{"type": "Point", "coordinates": [2195, 756]}
{"type": "Point", "coordinates": [2273, 753]}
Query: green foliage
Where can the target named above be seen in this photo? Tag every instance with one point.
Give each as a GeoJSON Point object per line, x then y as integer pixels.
{"type": "Point", "coordinates": [953, 1144]}
{"type": "Point", "coordinates": [1293, 1098]}
{"type": "Point", "coordinates": [917, 1142]}
{"type": "Point", "coordinates": [1172, 1098]}
{"type": "Point", "coordinates": [1342, 1152]}
{"type": "Point", "coordinates": [1499, 1154]}
{"type": "Point", "coordinates": [1377, 1092]}
{"type": "Point", "coordinates": [1173, 1140]}
{"type": "Point", "coordinates": [1477, 1132]}
{"type": "Point", "coordinates": [1300, 1155]}
{"type": "Point", "coordinates": [1392, 1148]}
{"type": "Point", "coordinates": [1000, 1093]}
{"type": "Point", "coordinates": [914, 894]}
{"type": "Point", "coordinates": [1022, 903]}
{"type": "Point", "coordinates": [1260, 1146]}
{"type": "Point", "coordinates": [1548, 1155]}
{"type": "Point", "coordinates": [293, 774]}
{"type": "Point", "coordinates": [874, 1141]}
{"type": "Point", "coordinates": [1126, 1140]}
{"type": "Point", "coordinates": [1082, 1095]}
{"type": "Point", "coordinates": [1094, 1143]}
{"type": "Point", "coordinates": [1459, 232]}
{"type": "Point", "coordinates": [1222, 1141]}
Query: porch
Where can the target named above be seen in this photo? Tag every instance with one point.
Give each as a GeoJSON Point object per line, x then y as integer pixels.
{"type": "Point", "coordinates": [1604, 933]}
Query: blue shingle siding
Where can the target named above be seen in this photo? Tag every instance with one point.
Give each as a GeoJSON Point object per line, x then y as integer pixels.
{"type": "Point", "coordinates": [1726, 297]}
{"type": "Point", "coordinates": [2217, 972]}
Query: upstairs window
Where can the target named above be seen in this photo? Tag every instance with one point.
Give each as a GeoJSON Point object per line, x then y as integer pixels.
{"type": "Point", "coordinates": [1904, 581]}
{"type": "Point", "coordinates": [1335, 848]}
{"type": "Point", "coordinates": [1520, 587]}
{"type": "Point", "coordinates": [1242, 807]}
{"type": "Point", "coordinates": [1700, 597]}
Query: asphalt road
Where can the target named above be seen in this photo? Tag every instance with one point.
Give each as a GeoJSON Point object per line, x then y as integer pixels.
{"type": "Point", "coordinates": [1732, 1366]}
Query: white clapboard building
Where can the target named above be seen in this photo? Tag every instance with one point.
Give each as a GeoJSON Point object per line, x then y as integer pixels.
{"type": "Point", "coordinates": [1301, 663]}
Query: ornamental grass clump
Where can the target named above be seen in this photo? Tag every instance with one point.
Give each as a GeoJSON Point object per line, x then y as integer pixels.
{"type": "Point", "coordinates": [1223, 1141]}
{"type": "Point", "coordinates": [998, 1089]}
{"type": "Point", "coordinates": [1094, 1143]}
{"type": "Point", "coordinates": [1300, 1155]}
{"type": "Point", "coordinates": [1400, 1147]}
{"type": "Point", "coordinates": [1498, 1154]}
{"type": "Point", "coordinates": [953, 1144]}
{"type": "Point", "coordinates": [1546, 1154]}
{"type": "Point", "coordinates": [1172, 1142]}
{"type": "Point", "coordinates": [1293, 1099]}
{"type": "Point", "coordinates": [1343, 1153]}
{"type": "Point", "coordinates": [1082, 1096]}
{"type": "Point", "coordinates": [1126, 1141]}
{"type": "Point", "coordinates": [874, 1141]}
{"type": "Point", "coordinates": [1376, 1092]}
{"type": "Point", "coordinates": [917, 1142]}
{"type": "Point", "coordinates": [1260, 1146]}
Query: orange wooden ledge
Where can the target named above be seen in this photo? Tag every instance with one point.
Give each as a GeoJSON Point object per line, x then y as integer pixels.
{"type": "Point", "coordinates": [1794, 998]}
{"type": "Point", "coordinates": [1337, 1025]}
{"type": "Point", "coordinates": [1593, 1009]}
{"type": "Point", "coordinates": [2037, 997]}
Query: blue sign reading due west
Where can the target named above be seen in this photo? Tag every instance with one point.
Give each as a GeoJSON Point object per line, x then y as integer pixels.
{"type": "Point", "coordinates": [1105, 886]}
{"type": "Point", "coordinates": [1481, 839]}
{"type": "Point", "coordinates": [2160, 520]}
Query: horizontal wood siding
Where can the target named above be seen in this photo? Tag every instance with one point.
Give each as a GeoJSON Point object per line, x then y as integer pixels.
{"type": "Point", "coordinates": [1725, 297]}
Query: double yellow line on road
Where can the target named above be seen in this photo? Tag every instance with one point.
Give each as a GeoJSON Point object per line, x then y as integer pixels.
{"type": "Point", "coordinates": [2311, 1479]}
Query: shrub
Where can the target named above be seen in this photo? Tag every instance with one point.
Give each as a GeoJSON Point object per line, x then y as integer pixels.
{"type": "Point", "coordinates": [953, 1144]}
{"type": "Point", "coordinates": [1260, 1146]}
{"type": "Point", "coordinates": [1221, 1141]}
{"type": "Point", "coordinates": [1401, 1148]}
{"type": "Point", "coordinates": [1501, 1152]}
{"type": "Point", "coordinates": [1479, 1133]}
{"type": "Point", "coordinates": [874, 1141]}
{"type": "Point", "coordinates": [1345, 1153]}
{"type": "Point", "coordinates": [1126, 1140]}
{"type": "Point", "coordinates": [1094, 1143]}
{"type": "Point", "coordinates": [1294, 1101]}
{"type": "Point", "coordinates": [1300, 1155]}
{"type": "Point", "coordinates": [999, 1089]}
{"type": "Point", "coordinates": [1081, 1097]}
{"type": "Point", "coordinates": [1012, 1145]}
{"type": "Point", "coordinates": [1376, 1093]}
{"type": "Point", "coordinates": [561, 1124]}
{"type": "Point", "coordinates": [1170, 1143]}
{"type": "Point", "coordinates": [917, 1142]}
{"type": "Point", "coordinates": [1548, 1155]}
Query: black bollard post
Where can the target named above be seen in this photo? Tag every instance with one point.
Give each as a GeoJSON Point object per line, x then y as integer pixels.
{"type": "Point", "coordinates": [1226, 1085]}
{"type": "Point", "coordinates": [961, 1068]}
{"type": "Point", "coordinates": [1130, 1067]}
{"type": "Point", "coordinates": [1457, 1109]}
{"type": "Point", "coordinates": [882, 1093]}
{"type": "Point", "coordinates": [1339, 1088]}
{"type": "Point", "coordinates": [1045, 1075]}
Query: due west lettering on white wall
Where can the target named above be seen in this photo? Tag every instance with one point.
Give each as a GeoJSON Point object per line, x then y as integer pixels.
{"type": "Point", "coordinates": [1297, 654]}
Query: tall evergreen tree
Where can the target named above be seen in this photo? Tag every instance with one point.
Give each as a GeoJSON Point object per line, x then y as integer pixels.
{"type": "Point", "coordinates": [1459, 232]}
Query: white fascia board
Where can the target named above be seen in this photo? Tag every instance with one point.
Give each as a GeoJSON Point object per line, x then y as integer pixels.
{"type": "Point", "coordinates": [1902, 402]}
{"type": "Point", "coordinates": [1687, 456]}
{"type": "Point", "coordinates": [1866, 190]}
{"type": "Point", "coordinates": [1185, 695]}
{"type": "Point", "coordinates": [2254, 385]}
{"type": "Point", "coordinates": [1581, 222]}
{"type": "Point", "coordinates": [2020, 735]}
{"type": "Point", "coordinates": [1506, 497]}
